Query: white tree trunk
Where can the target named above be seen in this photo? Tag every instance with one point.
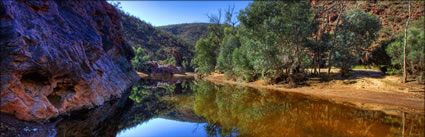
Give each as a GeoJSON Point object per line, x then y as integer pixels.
{"type": "Point", "coordinates": [404, 48]}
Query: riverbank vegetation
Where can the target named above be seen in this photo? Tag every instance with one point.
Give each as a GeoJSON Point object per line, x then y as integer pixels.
{"type": "Point", "coordinates": [289, 42]}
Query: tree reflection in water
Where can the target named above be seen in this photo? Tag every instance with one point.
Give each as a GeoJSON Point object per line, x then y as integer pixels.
{"type": "Point", "coordinates": [232, 110]}
{"type": "Point", "coordinates": [235, 111]}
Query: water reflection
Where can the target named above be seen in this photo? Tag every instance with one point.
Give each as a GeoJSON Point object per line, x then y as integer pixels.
{"type": "Point", "coordinates": [156, 128]}
{"type": "Point", "coordinates": [142, 103]}
{"type": "Point", "coordinates": [189, 108]}
{"type": "Point", "coordinates": [250, 112]}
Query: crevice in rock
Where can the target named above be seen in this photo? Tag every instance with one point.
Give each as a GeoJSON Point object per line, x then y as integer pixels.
{"type": "Point", "coordinates": [64, 90]}
{"type": "Point", "coordinates": [33, 82]}
{"type": "Point", "coordinates": [55, 100]}
{"type": "Point", "coordinates": [35, 77]}
{"type": "Point", "coordinates": [60, 94]}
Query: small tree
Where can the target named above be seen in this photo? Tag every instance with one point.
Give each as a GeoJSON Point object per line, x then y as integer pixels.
{"type": "Point", "coordinates": [224, 60]}
{"type": "Point", "coordinates": [205, 57]}
{"type": "Point", "coordinates": [415, 58]}
{"type": "Point", "coordinates": [139, 59]}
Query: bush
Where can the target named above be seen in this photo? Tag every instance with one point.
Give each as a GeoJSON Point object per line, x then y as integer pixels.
{"type": "Point", "coordinates": [139, 60]}
{"type": "Point", "coordinates": [169, 61]}
{"type": "Point", "coordinates": [393, 71]}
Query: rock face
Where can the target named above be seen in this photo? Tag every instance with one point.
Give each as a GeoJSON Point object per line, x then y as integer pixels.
{"type": "Point", "coordinates": [393, 15]}
{"type": "Point", "coordinates": [58, 56]}
{"type": "Point", "coordinates": [155, 68]}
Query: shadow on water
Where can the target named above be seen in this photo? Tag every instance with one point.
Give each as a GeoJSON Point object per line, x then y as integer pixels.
{"type": "Point", "coordinates": [224, 110]}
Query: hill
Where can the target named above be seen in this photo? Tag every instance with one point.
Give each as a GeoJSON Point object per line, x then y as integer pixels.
{"type": "Point", "coordinates": [157, 44]}
{"type": "Point", "coordinates": [190, 32]}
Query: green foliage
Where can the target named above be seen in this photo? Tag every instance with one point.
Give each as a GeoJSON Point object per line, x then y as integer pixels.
{"type": "Point", "coordinates": [138, 93]}
{"type": "Point", "coordinates": [318, 48]}
{"type": "Point", "coordinates": [224, 59]}
{"type": "Point", "coordinates": [205, 58]}
{"type": "Point", "coordinates": [395, 51]}
{"type": "Point", "coordinates": [415, 48]}
{"type": "Point", "coordinates": [241, 65]}
{"type": "Point", "coordinates": [393, 71]}
{"type": "Point", "coordinates": [168, 88]}
{"type": "Point", "coordinates": [186, 65]}
{"type": "Point", "coordinates": [358, 30]}
{"type": "Point", "coordinates": [273, 34]}
{"type": "Point", "coordinates": [139, 59]}
{"type": "Point", "coordinates": [169, 61]}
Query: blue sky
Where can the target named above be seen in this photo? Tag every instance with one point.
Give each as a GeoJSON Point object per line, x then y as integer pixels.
{"type": "Point", "coordinates": [159, 13]}
{"type": "Point", "coordinates": [159, 127]}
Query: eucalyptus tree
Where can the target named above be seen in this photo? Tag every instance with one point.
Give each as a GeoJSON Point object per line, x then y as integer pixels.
{"type": "Point", "coordinates": [215, 29]}
{"type": "Point", "coordinates": [205, 58]}
{"type": "Point", "coordinates": [230, 42]}
{"type": "Point", "coordinates": [415, 57]}
{"type": "Point", "coordinates": [321, 40]}
{"type": "Point", "coordinates": [358, 30]}
{"type": "Point", "coordinates": [273, 34]}
{"type": "Point", "coordinates": [259, 35]}
{"type": "Point", "coordinates": [404, 47]}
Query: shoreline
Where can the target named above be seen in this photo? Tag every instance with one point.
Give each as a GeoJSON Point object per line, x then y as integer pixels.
{"type": "Point", "coordinates": [388, 101]}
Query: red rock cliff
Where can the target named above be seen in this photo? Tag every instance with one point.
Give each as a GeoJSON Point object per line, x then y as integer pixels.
{"type": "Point", "coordinates": [58, 56]}
{"type": "Point", "coordinates": [393, 15]}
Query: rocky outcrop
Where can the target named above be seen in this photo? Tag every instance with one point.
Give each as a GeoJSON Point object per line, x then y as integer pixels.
{"type": "Point", "coordinates": [393, 15]}
{"type": "Point", "coordinates": [58, 56]}
{"type": "Point", "coordinates": [155, 68]}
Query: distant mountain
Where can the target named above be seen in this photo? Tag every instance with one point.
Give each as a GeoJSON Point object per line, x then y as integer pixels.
{"type": "Point", "coordinates": [157, 44]}
{"type": "Point", "coordinates": [190, 32]}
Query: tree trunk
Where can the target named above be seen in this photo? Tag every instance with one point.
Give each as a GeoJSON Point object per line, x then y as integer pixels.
{"type": "Point", "coordinates": [329, 61]}
{"type": "Point", "coordinates": [404, 48]}
{"type": "Point", "coordinates": [334, 40]}
{"type": "Point", "coordinates": [315, 62]}
{"type": "Point", "coordinates": [318, 61]}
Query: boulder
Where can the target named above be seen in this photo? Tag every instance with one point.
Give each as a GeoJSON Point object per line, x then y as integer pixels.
{"type": "Point", "coordinates": [58, 56]}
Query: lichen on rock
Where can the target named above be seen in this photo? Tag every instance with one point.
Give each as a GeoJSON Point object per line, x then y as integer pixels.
{"type": "Point", "coordinates": [58, 56]}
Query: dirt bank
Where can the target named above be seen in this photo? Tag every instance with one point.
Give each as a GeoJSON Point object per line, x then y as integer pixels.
{"type": "Point", "coordinates": [367, 90]}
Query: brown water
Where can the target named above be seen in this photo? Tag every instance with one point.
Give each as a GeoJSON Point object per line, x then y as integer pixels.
{"type": "Point", "coordinates": [188, 108]}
